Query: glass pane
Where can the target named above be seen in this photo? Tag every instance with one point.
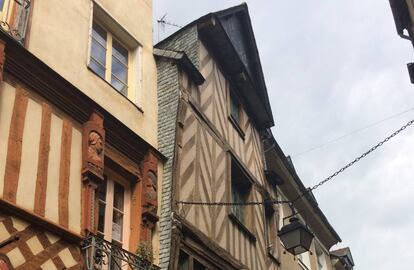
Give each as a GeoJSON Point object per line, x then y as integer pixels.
{"type": "Point", "coordinates": [97, 68]}
{"type": "Point", "coordinates": [119, 197]}
{"type": "Point", "coordinates": [238, 210]}
{"type": "Point", "coordinates": [1, 5]}
{"type": "Point", "coordinates": [102, 191]}
{"type": "Point", "coordinates": [119, 52]}
{"type": "Point", "coordinates": [98, 52]}
{"type": "Point", "coordinates": [234, 109]}
{"type": "Point", "coordinates": [101, 218]}
{"type": "Point", "coordinates": [117, 221]}
{"type": "Point", "coordinates": [183, 261]}
{"type": "Point", "coordinates": [99, 34]}
{"type": "Point", "coordinates": [198, 266]}
{"type": "Point", "coordinates": [118, 85]}
{"type": "Point", "coordinates": [119, 70]}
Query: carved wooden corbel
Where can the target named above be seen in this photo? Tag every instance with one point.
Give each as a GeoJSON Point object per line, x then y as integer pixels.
{"type": "Point", "coordinates": [149, 202]}
{"type": "Point", "coordinates": [93, 147]}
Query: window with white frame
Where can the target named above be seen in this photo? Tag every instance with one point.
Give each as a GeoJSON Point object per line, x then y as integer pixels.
{"type": "Point", "coordinates": [109, 58]}
{"type": "Point", "coordinates": [320, 258]}
{"type": "Point", "coordinates": [4, 6]}
{"type": "Point", "coordinates": [113, 208]}
{"type": "Point", "coordinates": [272, 228]}
{"type": "Point", "coordinates": [14, 16]}
{"type": "Point", "coordinates": [304, 260]}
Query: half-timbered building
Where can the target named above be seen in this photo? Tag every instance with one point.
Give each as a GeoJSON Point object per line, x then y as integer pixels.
{"type": "Point", "coordinates": [79, 165]}
{"type": "Point", "coordinates": [213, 105]}
{"type": "Point", "coordinates": [287, 186]}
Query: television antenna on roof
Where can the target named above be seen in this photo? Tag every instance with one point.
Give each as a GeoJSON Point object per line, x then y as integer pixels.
{"type": "Point", "coordinates": [162, 22]}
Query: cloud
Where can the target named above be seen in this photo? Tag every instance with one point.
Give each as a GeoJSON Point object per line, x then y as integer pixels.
{"type": "Point", "coordinates": [332, 67]}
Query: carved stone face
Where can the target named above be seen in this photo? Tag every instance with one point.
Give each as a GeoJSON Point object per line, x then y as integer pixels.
{"type": "Point", "coordinates": [95, 146]}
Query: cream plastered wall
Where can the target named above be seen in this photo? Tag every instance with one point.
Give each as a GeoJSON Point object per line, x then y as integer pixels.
{"type": "Point", "coordinates": [60, 172]}
{"type": "Point", "coordinates": [59, 36]}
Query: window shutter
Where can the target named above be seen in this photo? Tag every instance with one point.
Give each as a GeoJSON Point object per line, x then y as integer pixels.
{"type": "Point", "coordinates": [20, 22]}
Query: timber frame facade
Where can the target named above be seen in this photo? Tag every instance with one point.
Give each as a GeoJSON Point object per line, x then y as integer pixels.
{"type": "Point", "coordinates": [214, 128]}
{"type": "Point", "coordinates": [213, 105]}
{"type": "Point", "coordinates": [58, 147]}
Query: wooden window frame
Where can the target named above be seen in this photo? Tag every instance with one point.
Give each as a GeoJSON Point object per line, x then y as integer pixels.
{"type": "Point", "coordinates": [192, 258]}
{"type": "Point", "coordinates": [110, 37]}
{"type": "Point", "coordinates": [6, 11]}
{"type": "Point", "coordinates": [237, 124]}
{"type": "Point", "coordinates": [111, 177]}
{"type": "Point", "coordinates": [246, 224]}
{"type": "Point", "coordinates": [320, 254]}
{"type": "Point", "coordinates": [272, 228]}
{"type": "Point", "coordinates": [304, 262]}
{"type": "Point", "coordinates": [17, 27]}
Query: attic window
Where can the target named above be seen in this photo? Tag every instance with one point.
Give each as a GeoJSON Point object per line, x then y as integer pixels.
{"type": "Point", "coordinates": [236, 114]}
{"type": "Point", "coordinates": [235, 109]}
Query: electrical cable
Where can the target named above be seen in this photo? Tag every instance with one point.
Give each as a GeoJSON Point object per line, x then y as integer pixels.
{"type": "Point", "coordinates": [336, 173]}
{"type": "Point", "coordinates": [352, 133]}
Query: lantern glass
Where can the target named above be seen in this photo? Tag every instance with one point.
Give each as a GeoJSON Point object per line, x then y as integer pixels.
{"type": "Point", "coordinates": [296, 237]}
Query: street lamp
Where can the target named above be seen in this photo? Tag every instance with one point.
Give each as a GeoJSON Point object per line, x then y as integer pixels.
{"type": "Point", "coordinates": [295, 237]}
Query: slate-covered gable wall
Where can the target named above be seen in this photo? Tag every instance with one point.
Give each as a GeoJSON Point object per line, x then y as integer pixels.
{"type": "Point", "coordinates": [186, 41]}
{"type": "Point", "coordinates": [168, 98]}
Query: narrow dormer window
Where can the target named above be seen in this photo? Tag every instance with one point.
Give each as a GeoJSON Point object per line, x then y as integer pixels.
{"type": "Point", "coordinates": [235, 109]}
{"type": "Point", "coordinates": [236, 114]}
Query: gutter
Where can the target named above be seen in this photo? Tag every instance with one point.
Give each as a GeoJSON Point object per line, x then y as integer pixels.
{"type": "Point", "coordinates": [309, 196]}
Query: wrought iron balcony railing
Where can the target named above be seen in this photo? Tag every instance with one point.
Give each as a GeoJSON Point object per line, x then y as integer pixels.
{"type": "Point", "coordinates": [17, 28]}
{"type": "Point", "coordinates": [100, 254]}
{"type": "Point", "coordinates": [14, 33]}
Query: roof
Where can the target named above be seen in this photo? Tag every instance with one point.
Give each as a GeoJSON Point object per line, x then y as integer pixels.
{"type": "Point", "coordinates": [344, 254]}
{"type": "Point", "coordinates": [401, 15]}
{"type": "Point", "coordinates": [341, 252]}
{"type": "Point", "coordinates": [228, 35]}
{"type": "Point", "coordinates": [276, 160]}
{"type": "Point", "coordinates": [183, 61]}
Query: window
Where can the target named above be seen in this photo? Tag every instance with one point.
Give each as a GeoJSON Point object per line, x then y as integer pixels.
{"type": "Point", "coordinates": [272, 223]}
{"type": "Point", "coordinates": [304, 260]}
{"type": "Point", "coordinates": [4, 7]}
{"type": "Point", "coordinates": [14, 15]}
{"type": "Point", "coordinates": [183, 261]}
{"type": "Point", "coordinates": [320, 258]}
{"type": "Point", "coordinates": [199, 266]}
{"type": "Point", "coordinates": [235, 109]}
{"type": "Point", "coordinates": [1, 5]}
{"type": "Point", "coordinates": [236, 113]}
{"type": "Point", "coordinates": [113, 201]}
{"type": "Point", "coordinates": [187, 262]}
{"type": "Point", "coordinates": [109, 58]}
{"type": "Point", "coordinates": [241, 188]}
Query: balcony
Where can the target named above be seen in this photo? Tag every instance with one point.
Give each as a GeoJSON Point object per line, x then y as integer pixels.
{"type": "Point", "coordinates": [100, 254]}
{"type": "Point", "coordinates": [16, 27]}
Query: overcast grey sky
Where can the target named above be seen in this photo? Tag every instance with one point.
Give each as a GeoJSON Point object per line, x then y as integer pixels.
{"type": "Point", "coordinates": [332, 67]}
